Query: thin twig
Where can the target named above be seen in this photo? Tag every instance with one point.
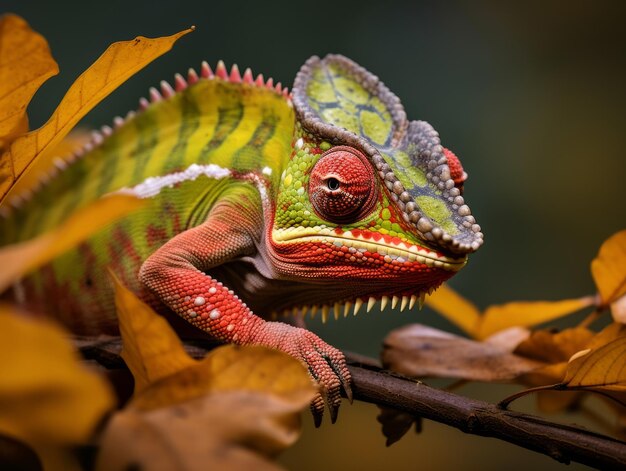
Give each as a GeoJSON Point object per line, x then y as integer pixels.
{"type": "Point", "coordinates": [370, 384]}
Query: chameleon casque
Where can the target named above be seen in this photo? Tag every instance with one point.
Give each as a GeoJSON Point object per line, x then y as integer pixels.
{"type": "Point", "coordinates": [259, 201]}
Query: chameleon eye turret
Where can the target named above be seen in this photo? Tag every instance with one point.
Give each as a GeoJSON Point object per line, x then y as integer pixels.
{"type": "Point", "coordinates": [341, 102]}
{"type": "Point", "coordinates": [342, 186]}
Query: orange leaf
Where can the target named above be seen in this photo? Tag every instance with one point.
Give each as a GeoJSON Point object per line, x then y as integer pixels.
{"type": "Point", "coordinates": [455, 308]}
{"type": "Point", "coordinates": [18, 259]}
{"type": "Point", "coordinates": [602, 368]}
{"type": "Point", "coordinates": [64, 149]}
{"type": "Point", "coordinates": [527, 314]}
{"type": "Point", "coordinates": [25, 63]}
{"type": "Point", "coordinates": [554, 347]}
{"type": "Point", "coordinates": [120, 61]}
{"type": "Point", "coordinates": [152, 350]}
{"type": "Point", "coordinates": [48, 398]}
{"type": "Point", "coordinates": [609, 268]}
{"type": "Point", "coordinates": [244, 399]}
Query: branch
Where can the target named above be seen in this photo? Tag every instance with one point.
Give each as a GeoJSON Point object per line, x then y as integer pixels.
{"type": "Point", "coordinates": [371, 384]}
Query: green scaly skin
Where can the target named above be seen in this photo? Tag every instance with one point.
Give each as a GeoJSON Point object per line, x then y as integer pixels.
{"type": "Point", "coordinates": [258, 202]}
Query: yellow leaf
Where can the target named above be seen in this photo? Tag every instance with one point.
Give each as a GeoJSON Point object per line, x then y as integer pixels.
{"type": "Point", "coordinates": [554, 347]}
{"type": "Point", "coordinates": [152, 350]}
{"type": "Point", "coordinates": [527, 314]}
{"type": "Point", "coordinates": [64, 149]}
{"type": "Point", "coordinates": [232, 368]}
{"type": "Point", "coordinates": [232, 410]}
{"type": "Point", "coordinates": [455, 308]}
{"type": "Point", "coordinates": [611, 332]}
{"type": "Point", "coordinates": [120, 61]}
{"type": "Point", "coordinates": [19, 259]}
{"type": "Point", "coordinates": [46, 395]}
{"type": "Point", "coordinates": [25, 63]}
{"type": "Point", "coordinates": [609, 268]}
{"type": "Point", "coordinates": [164, 373]}
{"type": "Point", "coordinates": [602, 368]}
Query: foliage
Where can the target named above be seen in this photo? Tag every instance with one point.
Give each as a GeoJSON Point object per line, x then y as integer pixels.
{"type": "Point", "coordinates": [576, 359]}
{"type": "Point", "coordinates": [243, 401]}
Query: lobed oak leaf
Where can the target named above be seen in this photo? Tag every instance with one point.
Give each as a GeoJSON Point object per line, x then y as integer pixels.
{"type": "Point", "coordinates": [454, 307]}
{"type": "Point", "coordinates": [420, 351]}
{"type": "Point", "coordinates": [609, 268]}
{"type": "Point", "coordinates": [25, 64]}
{"type": "Point", "coordinates": [120, 61]}
{"type": "Point", "coordinates": [48, 398]}
{"type": "Point", "coordinates": [526, 314]}
{"type": "Point", "coordinates": [19, 259]}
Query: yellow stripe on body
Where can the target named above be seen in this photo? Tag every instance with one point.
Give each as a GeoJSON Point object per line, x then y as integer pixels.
{"type": "Point", "coordinates": [205, 97]}
{"type": "Point", "coordinates": [168, 117]}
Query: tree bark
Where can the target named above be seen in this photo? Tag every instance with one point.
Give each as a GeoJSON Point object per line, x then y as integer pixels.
{"type": "Point", "coordinates": [371, 384]}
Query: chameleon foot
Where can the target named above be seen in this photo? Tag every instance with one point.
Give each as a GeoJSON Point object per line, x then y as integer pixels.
{"type": "Point", "coordinates": [326, 364]}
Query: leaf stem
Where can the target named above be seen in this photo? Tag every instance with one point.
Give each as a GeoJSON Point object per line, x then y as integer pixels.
{"type": "Point", "coordinates": [504, 403]}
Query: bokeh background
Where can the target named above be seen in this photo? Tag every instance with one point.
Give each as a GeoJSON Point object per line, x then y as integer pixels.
{"type": "Point", "coordinates": [531, 96]}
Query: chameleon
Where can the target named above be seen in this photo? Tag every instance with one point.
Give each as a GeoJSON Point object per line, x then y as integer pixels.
{"type": "Point", "coordinates": [258, 201]}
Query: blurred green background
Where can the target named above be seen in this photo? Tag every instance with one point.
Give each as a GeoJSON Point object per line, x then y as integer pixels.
{"type": "Point", "coordinates": [531, 96]}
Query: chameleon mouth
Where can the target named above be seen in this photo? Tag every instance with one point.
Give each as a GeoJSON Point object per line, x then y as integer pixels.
{"type": "Point", "coordinates": [390, 248]}
{"type": "Point", "coordinates": [353, 307]}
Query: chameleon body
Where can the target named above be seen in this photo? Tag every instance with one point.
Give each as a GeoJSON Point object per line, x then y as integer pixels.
{"type": "Point", "coordinates": [259, 201]}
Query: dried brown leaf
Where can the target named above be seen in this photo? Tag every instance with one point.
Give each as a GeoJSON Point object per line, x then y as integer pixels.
{"type": "Point", "coordinates": [419, 351]}
{"type": "Point", "coordinates": [234, 409]}
{"type": "Point", "coordinates": [238, 430]}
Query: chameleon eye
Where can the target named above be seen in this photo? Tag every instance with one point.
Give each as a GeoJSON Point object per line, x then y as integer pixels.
{"type": "Point", "coordinates": [342, 185]}
{"type": "Point", "coordinates": [332, 183]}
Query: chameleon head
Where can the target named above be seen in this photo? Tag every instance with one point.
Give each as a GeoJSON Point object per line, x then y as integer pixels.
{"type": "Point", "coordinates": [367, 197]}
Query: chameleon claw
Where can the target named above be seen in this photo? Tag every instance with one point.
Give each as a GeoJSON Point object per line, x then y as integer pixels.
{"type": "Point", "coordinates": [317, 409]}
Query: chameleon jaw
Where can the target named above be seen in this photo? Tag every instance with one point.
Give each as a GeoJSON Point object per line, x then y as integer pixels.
{"type": "Point", "coordinates": [391, 248]}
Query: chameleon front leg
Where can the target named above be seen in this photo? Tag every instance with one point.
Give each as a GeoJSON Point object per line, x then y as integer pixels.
{"type": "Point", "coordinates": [176, 274]}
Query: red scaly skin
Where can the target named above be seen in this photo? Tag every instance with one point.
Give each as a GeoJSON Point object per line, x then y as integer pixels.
{"type": "Point", "coordinates": [176, 273]}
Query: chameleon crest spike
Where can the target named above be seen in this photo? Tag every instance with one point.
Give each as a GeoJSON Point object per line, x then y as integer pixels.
{"type": "Point", "coordinates": [259, 202]}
